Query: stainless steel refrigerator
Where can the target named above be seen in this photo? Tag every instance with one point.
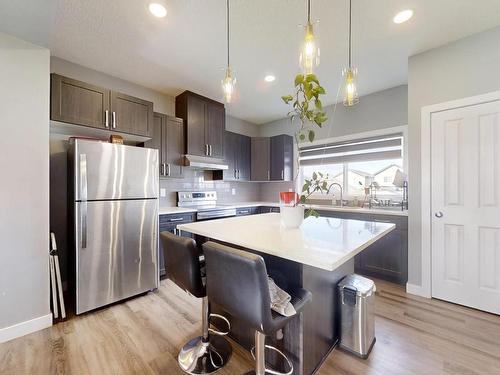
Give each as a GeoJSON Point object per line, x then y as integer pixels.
{"type": "Point", "coordinates": [114, 209]}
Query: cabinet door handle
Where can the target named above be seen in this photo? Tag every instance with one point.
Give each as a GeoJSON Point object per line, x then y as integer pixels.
{"type": "Point", "coordinates": [282, 174]}
{"type": "Point", "coordinates": [176, 219]}
{"type": "Point", "coordinates": [238, 174]}
{"type": "Point", "coordinates": [113, 115]}
{"type": "Point", "coordinates": [438, 214]}
{"type": "Point", "coordinates": [168, 169]}
{"type": "Point", "coordinates": [106, 118]}
{"type": "Point", "coordinates": [163, 172]}
{"type": "Point", "coordinates": [210, 150]}
{"type": "Point", "coordinates": [235, 174]}
{"type": "Point", "coordinates": [206, 150]}
{"type": "Point", "coordinates": [268, 175]}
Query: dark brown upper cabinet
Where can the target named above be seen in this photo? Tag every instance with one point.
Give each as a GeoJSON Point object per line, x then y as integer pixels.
{"type": "Point", "coordinates": [131, 115]}
{"type": "Point", "coordinates": [260, 160]}
{"type": "Point", "coordinates": [272, 158]}
{"type": "Point", "coordinates": [237, 157]}
{"type": "Point", "coordinates": [205, 121]}
{"type": "Point", "coordinates": [282, 158]}
{"type": "Point", "coordinates": [168, 139]}
{"type": "Point", "coordinates": [80, 103]}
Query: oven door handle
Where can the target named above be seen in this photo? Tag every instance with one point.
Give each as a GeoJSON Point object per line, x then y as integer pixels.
{"type": "Point", "coordinates": [215, 214]}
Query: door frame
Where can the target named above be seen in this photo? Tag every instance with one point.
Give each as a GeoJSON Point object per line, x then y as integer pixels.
{"type": "Point", "coordinates": [425, 289]}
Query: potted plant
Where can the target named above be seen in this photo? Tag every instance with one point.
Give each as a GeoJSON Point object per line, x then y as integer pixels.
{"type": "Point", "coordinates": [306, 115]}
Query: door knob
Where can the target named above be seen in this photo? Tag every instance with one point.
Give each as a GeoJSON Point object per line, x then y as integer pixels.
{"type": "Point", "coordinates": [438, 214]}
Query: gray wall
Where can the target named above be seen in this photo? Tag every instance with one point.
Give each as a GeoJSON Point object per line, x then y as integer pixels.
{"type": "Point", "coordinates": [383, 109]}
{"type": "Point", "coordinates": [464, 68]}
{"type": "Point", "coordinates": [24, 191]}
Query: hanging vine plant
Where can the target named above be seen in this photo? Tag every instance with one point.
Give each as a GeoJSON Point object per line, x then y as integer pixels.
{"type": "Point", "coordinates": [307, 109]}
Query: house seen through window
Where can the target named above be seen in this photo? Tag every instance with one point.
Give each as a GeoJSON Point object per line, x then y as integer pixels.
{"type": "Point", "coordinates": [361, 167]}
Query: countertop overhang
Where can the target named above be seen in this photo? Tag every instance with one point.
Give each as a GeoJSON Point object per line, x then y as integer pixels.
{"type": "Point", "coordinates": [325, 243]}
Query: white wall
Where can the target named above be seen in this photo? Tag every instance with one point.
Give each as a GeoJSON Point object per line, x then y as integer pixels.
{"type": "Point", "coordinates": [24, 190]}
{"type": "Point", "coordinates": [470, 66]}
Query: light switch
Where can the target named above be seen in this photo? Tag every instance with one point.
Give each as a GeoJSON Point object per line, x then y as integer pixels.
{"type": "Point", "coordinates": [163, 192]}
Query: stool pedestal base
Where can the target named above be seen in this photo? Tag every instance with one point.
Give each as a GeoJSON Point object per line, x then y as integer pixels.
{"type": "Point", "coordinates": [199, 357]}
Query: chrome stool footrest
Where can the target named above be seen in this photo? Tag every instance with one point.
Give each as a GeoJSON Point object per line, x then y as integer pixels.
{"type": "Point", "coordinates": [271, 371]}
{"type": "Point", "coordinates": [219, 333]}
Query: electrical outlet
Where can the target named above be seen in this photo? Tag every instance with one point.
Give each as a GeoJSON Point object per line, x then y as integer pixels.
{"type": "Point", "coordinates": [290, 190]}
{"type": "Point", "coordinates": [163, 192]}
{"type": "Point", "coordinates": [233, 191]}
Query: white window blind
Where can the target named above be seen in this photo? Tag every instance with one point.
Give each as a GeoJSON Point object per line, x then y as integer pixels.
{"type": "Point", "coordinates": [366, 149]}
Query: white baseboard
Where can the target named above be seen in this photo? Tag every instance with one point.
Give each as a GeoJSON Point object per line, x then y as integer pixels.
{"type": "Point", "coordinates": [417, 290]}
{"type": "Point", "coordinates": [24, 328]}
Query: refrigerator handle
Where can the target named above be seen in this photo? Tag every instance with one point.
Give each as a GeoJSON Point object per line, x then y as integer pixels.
{"type": "Point", "coordinates": [83, 198]}
{"type": "Point", "coordinates": [83, 223]}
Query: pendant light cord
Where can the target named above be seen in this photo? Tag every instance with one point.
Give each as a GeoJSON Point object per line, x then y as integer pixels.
{"type": "Point", "coordinates": [350, 21]}
{"type": "Point", "coordinates": [309, 11]}
{"type": "Point", "coordinates": [227, 15]}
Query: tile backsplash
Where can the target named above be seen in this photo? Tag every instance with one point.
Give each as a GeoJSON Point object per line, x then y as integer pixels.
{"type": "Point", "coordinates": [269, 191]}
{"type": "Point", "coordinates": [195, 180]}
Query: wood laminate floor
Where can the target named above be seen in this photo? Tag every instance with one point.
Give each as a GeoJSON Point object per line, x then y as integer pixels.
{"type": "Point", "coordinates": [143, 336]}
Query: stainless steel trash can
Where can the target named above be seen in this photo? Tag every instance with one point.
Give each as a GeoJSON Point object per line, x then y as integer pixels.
{"type": "Point", "coordinates": [357, 320]}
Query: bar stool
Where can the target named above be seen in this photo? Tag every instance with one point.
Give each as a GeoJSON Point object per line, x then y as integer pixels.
{"type": "Point", "coordinates": [237, 281]}
{"type": "Point", "coordinates": [207, 353]}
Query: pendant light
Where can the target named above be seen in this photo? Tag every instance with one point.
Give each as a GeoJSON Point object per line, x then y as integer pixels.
{"type": "Point", "coordinates": [309, 56]}
{"type": "Point", "coordinates": [229, 81]}
{"type": "Point", "coordinates": [351, 97]}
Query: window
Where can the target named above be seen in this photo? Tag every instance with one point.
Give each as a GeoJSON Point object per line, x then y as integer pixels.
{"type": "Point", "coordinates": [359, 165]}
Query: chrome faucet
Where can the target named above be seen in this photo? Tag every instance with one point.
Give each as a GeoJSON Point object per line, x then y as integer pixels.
{"type": "Point", "coordinates": [341, 192]}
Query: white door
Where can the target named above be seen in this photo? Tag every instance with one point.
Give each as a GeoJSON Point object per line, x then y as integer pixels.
{"type": "Point", "coordinates": [465, 185]}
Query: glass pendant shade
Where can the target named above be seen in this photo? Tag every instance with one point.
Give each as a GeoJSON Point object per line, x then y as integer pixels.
{"type": "Point", "coordinates": [350, 91]}
{"type": "Point", "coordinates": [228, 85]}
{"type": "Point", "coordinates": [309, 56]}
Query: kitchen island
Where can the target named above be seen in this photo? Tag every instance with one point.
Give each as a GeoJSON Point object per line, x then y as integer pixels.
{"type": "Point", "coordinates": [314, 257]}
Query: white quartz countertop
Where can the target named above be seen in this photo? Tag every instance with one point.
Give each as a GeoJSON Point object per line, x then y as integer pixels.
{"type": "Point", "coordinates": [374, 211]}
{"type": "Point", "coordinates": [325, 243]}
{"type": "Point", "coordinates": [175, 210]}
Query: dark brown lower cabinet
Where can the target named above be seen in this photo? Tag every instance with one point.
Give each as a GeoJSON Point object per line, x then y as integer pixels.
{"type": "Point", "coordinates": [245, 211]}
{"type": "Point", "coordinates": [387, 258]}
{"type": "Point", "coordinates": [168, 223]}
{"type": "Point", "coordinates": [268, 209]}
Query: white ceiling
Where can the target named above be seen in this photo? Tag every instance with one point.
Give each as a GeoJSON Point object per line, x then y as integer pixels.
{"type": "Point", "coordinates": [187, 49]}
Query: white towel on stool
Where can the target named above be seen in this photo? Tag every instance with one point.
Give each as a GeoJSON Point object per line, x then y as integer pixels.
{"type": "Point", "coordinates": [280, 300]}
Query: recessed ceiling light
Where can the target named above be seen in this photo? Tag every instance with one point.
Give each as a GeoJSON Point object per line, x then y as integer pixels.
{"type": "Point", "coordinates": [403, 16]}
{"type": "Point", "coordinates": [157, 10]}
{"type": "Point", "coordinates": [269, 78]}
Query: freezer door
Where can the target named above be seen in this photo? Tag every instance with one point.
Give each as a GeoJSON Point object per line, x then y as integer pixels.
{"type": "Point", "coordinates": [104, 171]}
{"type": "Point", "coordinates": [116, 251]}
